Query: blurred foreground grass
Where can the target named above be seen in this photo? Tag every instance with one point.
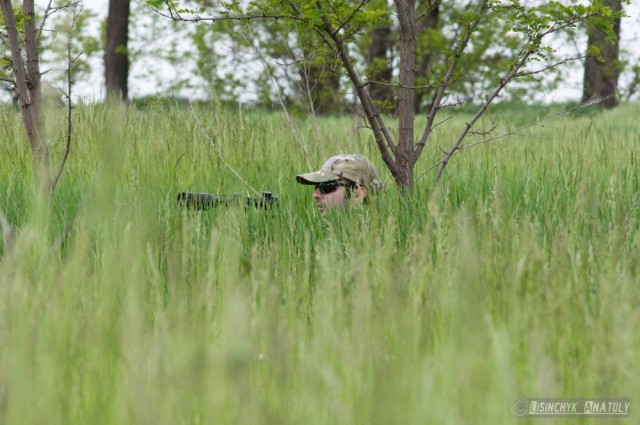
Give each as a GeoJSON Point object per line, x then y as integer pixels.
{"type": "Point", "coordinates": [516, 276]}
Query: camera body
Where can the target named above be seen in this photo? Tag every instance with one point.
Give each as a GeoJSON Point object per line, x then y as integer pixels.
{"type": "Point", "coordinates": [205, 201]}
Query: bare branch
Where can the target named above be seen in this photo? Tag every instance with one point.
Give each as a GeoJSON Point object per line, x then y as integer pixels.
{"type": "Point", "coordinates": [176, 17]}
{"type": "Point", "coordinates": [70, 61]}
{"type": "Point", "coordinates": [399, 86]}
{"type": "Point", "coordinates": [28, 91]}
{"type": "Point", "coordinates": [462, 148]}
{"type": "Point", "coordinates": [484, 132]}
{"type": "Point", "coordinates": [382, 137]}
{"type": "Point", "coordinates": [560, 25]}
{"type": "Point", "coordinates": [550, 66]}
{"type": "Point", "coordinates": [45, 15]}
{"type": "Point", "coordinates": [503, 82]}
{"type": "Point", "coordinates": [443, 121]}
{"type": "Point", "coordinates": [448, 77]}
{"type": "Point", "coordinates": [515, 72]}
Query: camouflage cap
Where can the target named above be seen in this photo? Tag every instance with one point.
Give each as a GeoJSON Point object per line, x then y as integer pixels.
{"type": "Point", "coordinates": [353, 167]}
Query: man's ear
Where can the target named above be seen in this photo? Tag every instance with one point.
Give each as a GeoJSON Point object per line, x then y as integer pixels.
{"type": "Point", "coordinates": [360, 193]}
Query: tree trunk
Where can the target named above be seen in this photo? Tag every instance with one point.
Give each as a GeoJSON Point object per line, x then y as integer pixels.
{"type": "Point", "coordinates": [116, 57]}
{"type": "Point", "coordinates": [405, 155]}
{"type": "Point", "coordinates": [601, 78]}
{"type": "Point", "coordinates": [27, 86]}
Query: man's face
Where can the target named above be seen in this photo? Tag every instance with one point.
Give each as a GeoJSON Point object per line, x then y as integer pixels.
{"type": "Point", "coordinates": [330, 195]}
{"type": "Point", "coordinates": [334, 195]}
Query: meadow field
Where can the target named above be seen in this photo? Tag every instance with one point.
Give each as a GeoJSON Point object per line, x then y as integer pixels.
{"type": "Point", "coordinates": [515, 276]}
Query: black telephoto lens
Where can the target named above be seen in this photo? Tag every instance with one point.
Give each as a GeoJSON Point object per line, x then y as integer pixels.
{"type": "Point", "coordinates": [197, 201]}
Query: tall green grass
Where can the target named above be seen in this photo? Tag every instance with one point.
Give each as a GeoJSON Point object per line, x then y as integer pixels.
{"type": "Point", "coordinates": [516, 276]}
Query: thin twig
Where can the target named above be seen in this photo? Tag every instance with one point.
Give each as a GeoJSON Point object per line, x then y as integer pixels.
{"type": "Point", "coordinates": [549, 66]}
{"type": "Point", "coordinates": [523, 56]}
{"type": "Point", "coordinates": [510, 133]}
{"type": "Point", "coordinates": [175, 16]}
{"type": "Point", "coordinates": [382, 137]}
{"type": "Point", "coordinates": [401, 86]}
{"type": "Point", "coordinates": [77, 9]}
{"type": "Point", "coordinates": [443, 121]}
{"type": "Point", "coordinates": [485, 105]}
{"type": "Point", "coordinates": [427, 10]}
{"type": "Point", "coordinates": [459, 49]}
{"type": "Point", "coordinates": [45, 15]}
{"type": "Point", "coordinates": [348, 20]}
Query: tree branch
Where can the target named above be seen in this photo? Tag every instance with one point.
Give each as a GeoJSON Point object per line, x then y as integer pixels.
{"type": "Point", "coordinates": [401, 86]}
{"type": "Point", "coordinates": [448, 77]}
{"type": "Point", "coordinates": [550, 66]}
{"type": "Point", "coordinates": [28, 91]}
{"type": "Point", "coordinates": [70, 61]}
{"type": "Point", "coordinates": [346, 21]}
{"type": "Point", "coordinates": [381, 136]}
{"type": "Point", "coordinates": [432, 5]}
{"type": "Point", "coordinates": [510, 133]}
{"type": "Point", "coordinates": [503, 82]}
{"type": "Point", "coordinates": [179, 18]}
{"type": "Point", "coordinates": [45, 15]}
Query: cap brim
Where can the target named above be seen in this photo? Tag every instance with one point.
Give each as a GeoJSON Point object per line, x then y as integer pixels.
{"type": "Point", "coordinates": [317, 177]}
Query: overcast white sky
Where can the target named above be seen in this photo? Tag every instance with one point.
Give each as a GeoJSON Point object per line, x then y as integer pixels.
{"type": "Point", "coordinates": [145, 71]}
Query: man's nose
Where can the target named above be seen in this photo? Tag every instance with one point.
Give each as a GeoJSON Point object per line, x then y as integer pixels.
{"type": "Point", "coordinates": [317, 194]}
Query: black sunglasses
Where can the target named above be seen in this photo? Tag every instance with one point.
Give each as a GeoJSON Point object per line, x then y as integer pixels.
{"type": "Point", "coordinates": [330, 187]}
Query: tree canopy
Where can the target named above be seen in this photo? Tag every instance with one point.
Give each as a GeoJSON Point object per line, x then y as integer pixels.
{"type": "Point", "coordinates": [336, 29]}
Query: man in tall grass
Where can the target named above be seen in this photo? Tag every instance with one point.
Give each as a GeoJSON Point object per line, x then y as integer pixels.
{"type": "Point", "coordinates": [342, 181]}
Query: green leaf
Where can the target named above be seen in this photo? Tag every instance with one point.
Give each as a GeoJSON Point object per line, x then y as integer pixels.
{"type": "Point", "coordinates": [157, 4]}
